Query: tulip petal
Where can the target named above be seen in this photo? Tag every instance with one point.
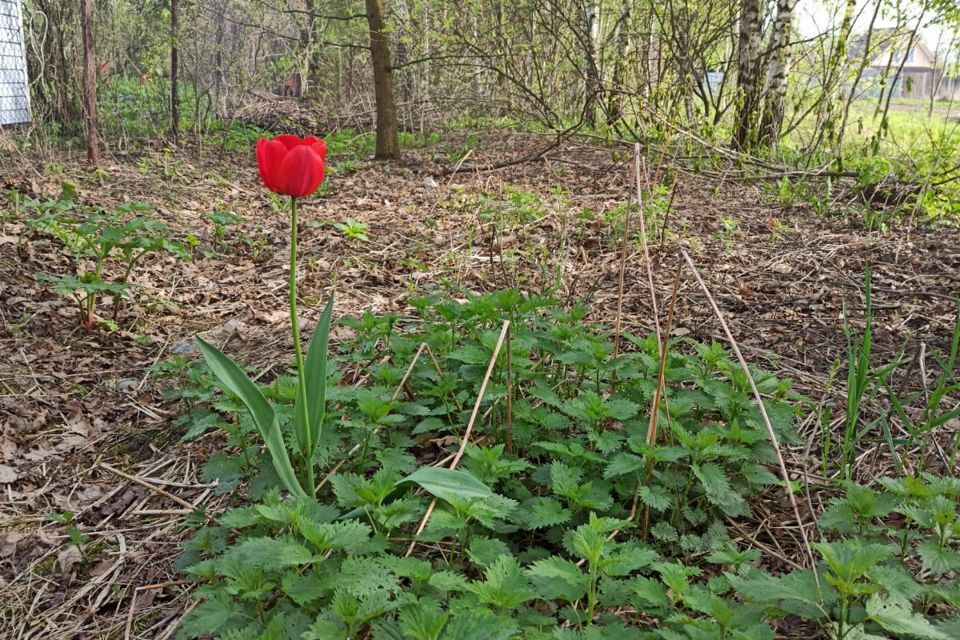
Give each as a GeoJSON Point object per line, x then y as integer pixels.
{"type": "Point", "coordinates": [270, 155]}
{"type": "Point", "coordinates": [289, 140]}
{"type": "Point", "coordinates": [301, 172]}
{"type": "Point", "coordinates": [320, 147]}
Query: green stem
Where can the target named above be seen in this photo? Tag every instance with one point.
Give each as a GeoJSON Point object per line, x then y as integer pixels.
{"type": "Point", "coordinates": [295, 328]}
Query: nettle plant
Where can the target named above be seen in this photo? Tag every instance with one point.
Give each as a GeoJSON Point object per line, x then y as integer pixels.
{"type": "Point", "coordinates": [539, 532]}
{"type": "Point", "coordinates": [560, 518]}
{"type": "Point", "coordinates": [106, 245]}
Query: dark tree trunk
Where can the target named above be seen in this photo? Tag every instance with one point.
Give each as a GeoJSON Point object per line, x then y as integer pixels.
{"type": "Point", "coordinates": [89, 84]}
{"type": "Point", "coordinates": [174, 71]}
{"type": "Point", "coordinates": [388, 143]}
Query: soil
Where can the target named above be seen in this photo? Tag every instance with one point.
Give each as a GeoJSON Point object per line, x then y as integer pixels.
{"type": "Point", "coordinates": [86, 428]}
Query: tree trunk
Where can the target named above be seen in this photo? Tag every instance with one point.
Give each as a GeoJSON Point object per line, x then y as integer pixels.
{"type": "Point", "coordinates": [174, 71]}
{"type": "Point", "coordinates": [621, 37]}
{"type": "Point", "coordinates": [591, 30]}
{"type": "Point", "coordinates": [220, 71]}
{"type": "Point", "coordinates": [90, 84]}
{"type": "Point", "coordinates": [748, 73]}
{"type": "Point", "coordinates": [773, 109]}
{"type": "Point", "coordinates": [388, 143]}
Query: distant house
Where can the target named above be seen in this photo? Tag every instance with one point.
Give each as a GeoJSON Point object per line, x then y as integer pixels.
{"type": "Point", "coordinates": [892, 51]}
{"type": "Point", "coordinates": [14, 89]}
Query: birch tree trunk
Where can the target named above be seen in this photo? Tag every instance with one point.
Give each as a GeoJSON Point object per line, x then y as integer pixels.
{"type": "Point", "coordinates": [615, 102]}
{"type": "Point", "coordinates": [388, 143]}
{"type": "Point", "coordinates": [591, 30]}
{"type": "Point", "coordinates": [773, 109]}
{"type": "Point", "coordinates": [748, 74]}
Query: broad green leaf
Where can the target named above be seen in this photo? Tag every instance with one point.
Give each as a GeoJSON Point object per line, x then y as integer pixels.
{"type": "Point", "coordinates": [895, 615]}
{"type": "Point", "coordinates": [546, 512]}
{"type": "Point", "coordinates": [270, 553]}
{"type": "Point", "coordinates": [443, 483]}
{"type": "Point", "coordinates": [557, 578]}
{"type": "Point", "coordinates": [938, 560]}
{"type": "Point", "coordinates": [623, 464]}
{"type": "Point", "coordinates": [209, 617]}
{"type": "Point", "coordinates": [505, 587]}
{"type": "Point", "coordinates": [315, 371]}
{"type": "Point", "coordinates": [236, 381]}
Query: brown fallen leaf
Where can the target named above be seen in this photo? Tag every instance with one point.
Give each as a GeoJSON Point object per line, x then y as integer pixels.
{"type": "Point", "coordinates": [67, 558]}
{"type": "Point", "coordinates": [8, 474]}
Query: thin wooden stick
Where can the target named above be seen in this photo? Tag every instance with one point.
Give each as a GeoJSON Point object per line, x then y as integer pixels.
{"type": "Point", "coordinates": [469, 430]}
{"type": "Point", "coordinates": [152, 487]}
{"type": "Point", "coordinates": [623, 267]}
{"type": "Point", "coordinates": [657, 394]}
{"type": "Point", "coordinates": [509, 418]}
{"type": "Point", "coordinates": [646, 249]}
{"type": "Point", "coordinates": [763, 412]}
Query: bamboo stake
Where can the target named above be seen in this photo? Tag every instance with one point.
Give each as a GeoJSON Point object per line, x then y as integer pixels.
{"type": "Point", "coordinates": [469, 430]}
{"type": "Point", "coordinates": [763, 411]}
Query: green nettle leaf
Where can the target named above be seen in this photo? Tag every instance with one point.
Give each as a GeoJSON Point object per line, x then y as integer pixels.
{"type": "Point", "coordinates": [557, 578]}
{"type": "Point", "coordinates": [448, 581]}
{"type": "Point", "coordinates": [315, 371]}
{"type": "Point", "coordinates": [656, 497]}
{"type": "Point", "coordinates": [623, 464]}
{"type": "Point", "coordinates": [349, 535]}
{"type": "Point", "coordinates": [305, 588]}
{"type": "Point", "coordinates": [849, 560]}
{"type": "Point", "coordinates": [446, 483]}
{"type": "Point", "coordinates": [676, 576]}
{"type": "Point", "coordinates": [894, 614]}
{"type": "Point", "coordinates": [210, 616]}
{"type": "Point", "coordinates": [936, 559]}
{"type": "Point", "coordinates": [479, 624]}
{"type": "Point", "coordinates": [506, 587]}
{"type": "Point", "coordinates": [423, 620]}
{"type": "Point", "coordinates": [270, 553]}
{"type": "Point", "coordinates": [546, 512]}
{"type": "Point", "coordinates": [651, 592]}
{"type": "Point", "coordinates": [717, 487]}
{"type": "Point", "coordinates": [236, 381]}
{"type": "Point", "coordinates": [484, 551]}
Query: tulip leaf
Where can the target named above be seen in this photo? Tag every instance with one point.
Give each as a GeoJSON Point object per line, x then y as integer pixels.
{"type": "Point", "coordinates": [316, 383]}
{"type": "Point", "coordinates": [446, 483]}
{"type": "Point", "coordinates": [233, 378]}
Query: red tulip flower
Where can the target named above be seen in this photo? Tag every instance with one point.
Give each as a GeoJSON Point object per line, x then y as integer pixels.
{"type": "Point", "coordinates": [291, 166]}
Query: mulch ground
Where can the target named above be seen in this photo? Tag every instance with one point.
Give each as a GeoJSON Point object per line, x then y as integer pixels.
{"type": "Point", "coordinates": [85, 428]}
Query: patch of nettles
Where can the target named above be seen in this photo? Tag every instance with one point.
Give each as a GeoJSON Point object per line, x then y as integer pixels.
{"type": "Point", "coordinates": [583, 531]}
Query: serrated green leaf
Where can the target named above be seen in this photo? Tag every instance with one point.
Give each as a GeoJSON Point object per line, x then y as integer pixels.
{"type": "Point", "coordinates": [623, 464]}
{"type": "Point", "coordinates": [546, 512]}
{"type": "Point", "coordinates": [895, 615]}
{"type": "Point", "coordinates": [270, 553]}
{"type": "Point", "coordinates": [557, 578]}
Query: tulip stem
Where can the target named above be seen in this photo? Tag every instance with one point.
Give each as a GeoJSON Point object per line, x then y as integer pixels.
{"type": "Point", "coordinates": [295, 327]}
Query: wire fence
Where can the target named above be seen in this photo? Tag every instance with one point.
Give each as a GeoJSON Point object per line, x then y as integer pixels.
{"type": "Point", "coordinates": [14, 92]}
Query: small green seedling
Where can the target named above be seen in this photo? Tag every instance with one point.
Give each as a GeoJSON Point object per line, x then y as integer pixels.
{"type": "Point", "coordinates": [353, 229]}
{"type": "Point", "coordinates": [221, 221]}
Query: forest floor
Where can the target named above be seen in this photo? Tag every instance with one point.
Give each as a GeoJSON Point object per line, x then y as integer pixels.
{"type": "Point", "coordinates": [86, 428]}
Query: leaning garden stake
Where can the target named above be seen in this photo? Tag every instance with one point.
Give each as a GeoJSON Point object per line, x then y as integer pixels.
{"type": "Point", "coordinates": [293, 167]}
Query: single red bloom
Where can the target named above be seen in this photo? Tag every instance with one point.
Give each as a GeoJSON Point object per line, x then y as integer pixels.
{"type": "Point", "coordinates": [291, 166]}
